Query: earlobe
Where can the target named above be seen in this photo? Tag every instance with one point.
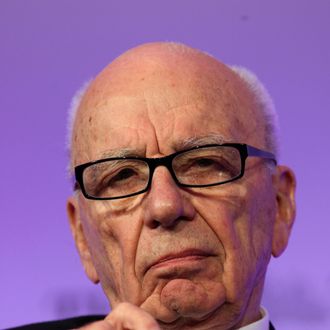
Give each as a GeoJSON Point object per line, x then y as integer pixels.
{"type": "Point", "coordinates": [80, 239]}
{"type": "Point", "coordinates": [285, 185]}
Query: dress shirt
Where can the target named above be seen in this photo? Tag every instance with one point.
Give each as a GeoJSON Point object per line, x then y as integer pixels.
{"type": "Point", "coordinates": [262, 324]}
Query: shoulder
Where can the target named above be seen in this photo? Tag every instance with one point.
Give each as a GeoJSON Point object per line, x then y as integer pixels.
{"type": "Point", "coordinates": [66, 324]}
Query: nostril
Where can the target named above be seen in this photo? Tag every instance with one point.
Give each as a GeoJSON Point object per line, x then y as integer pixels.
{"type": "Point", "coordinates": [154, 224]}
{"type": "Point", "coordinates": [167, 224]}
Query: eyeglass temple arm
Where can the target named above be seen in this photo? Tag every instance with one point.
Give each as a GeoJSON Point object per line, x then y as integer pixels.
{"type": "Point", "coordinates": [252, 151]}
{"type": "Point", "coordinates": [74, 182]}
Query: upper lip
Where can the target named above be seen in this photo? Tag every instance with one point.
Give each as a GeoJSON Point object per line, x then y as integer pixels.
{"type": "Point", "coordinates": [181, 254]}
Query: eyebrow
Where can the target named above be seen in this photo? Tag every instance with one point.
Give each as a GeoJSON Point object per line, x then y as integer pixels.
{"type": "Point", "coordinates": [188, 143]}
{"type": "Point", "coordinates": [124, 152]}
{"type": "Point", "coordinates": [196, 141]}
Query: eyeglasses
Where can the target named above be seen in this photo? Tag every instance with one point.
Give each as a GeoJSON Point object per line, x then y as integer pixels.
{"type": "Point", "coordinates": [201, 166]}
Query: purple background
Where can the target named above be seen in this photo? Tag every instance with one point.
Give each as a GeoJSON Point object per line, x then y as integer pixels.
{"type": "Point", "coordinates": [48, 48]}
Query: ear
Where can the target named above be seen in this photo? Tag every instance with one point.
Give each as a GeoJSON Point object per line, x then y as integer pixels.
{"type": "Point", "coordinates": [80, 239]}
{"type": "Point", "coordinates": [284, 182]}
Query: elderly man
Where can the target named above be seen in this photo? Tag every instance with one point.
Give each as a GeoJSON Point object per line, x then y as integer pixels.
{"type": "Point", "coordinates": [179, 202]}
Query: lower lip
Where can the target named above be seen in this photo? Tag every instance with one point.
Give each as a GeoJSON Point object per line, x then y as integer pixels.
{"type": "Point", "coordinates": [180, 261]}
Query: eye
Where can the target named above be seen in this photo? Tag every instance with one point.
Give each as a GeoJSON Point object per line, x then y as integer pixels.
{"type": "Point", "coordinates": [116, 177]}
{"type": "Point", "coordinates": [208, 166]}
{"type": "Point", "coordinates": [124, 174]}
{"type": "Point", "coordinates": [204, 162]}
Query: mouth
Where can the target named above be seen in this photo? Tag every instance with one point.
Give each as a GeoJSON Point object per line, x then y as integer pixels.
{"type": "Point", "coordinates": [180, 258]}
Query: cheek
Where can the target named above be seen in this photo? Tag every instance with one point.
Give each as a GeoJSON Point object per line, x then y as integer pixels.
{"type": "Point", "coordinates": [223, 208]}
{"type": "Point", "coordinates": [239, 217]}
{"type": "Point", "coordinates": [112, 237]}
{"type": "Point", "coordinates": [262, 210]}
{"type": "Point", "coordinates": [254, 233]}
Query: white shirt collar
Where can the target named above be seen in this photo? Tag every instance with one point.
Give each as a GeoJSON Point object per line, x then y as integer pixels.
{"type": "Point", "coordinates": [262, 324]}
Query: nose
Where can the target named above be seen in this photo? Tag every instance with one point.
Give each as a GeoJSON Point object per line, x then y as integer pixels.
{"type": "Point", "coordinates": [166, 203]}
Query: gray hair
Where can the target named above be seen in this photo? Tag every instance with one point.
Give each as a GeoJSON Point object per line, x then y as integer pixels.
{"type": "Point", "coordinates": [266, 104]}
{"type": "Point", "coordinates": [262, 98]}
{"type": "Point", "coordinates": [72, 114]}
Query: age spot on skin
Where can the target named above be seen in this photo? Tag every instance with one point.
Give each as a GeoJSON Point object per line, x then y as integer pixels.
{"type": "Point", "coordinates": [191, 299]}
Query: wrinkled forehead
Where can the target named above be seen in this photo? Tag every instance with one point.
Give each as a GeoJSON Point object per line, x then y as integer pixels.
{"type": "Point", "coordinates": [154, 103]}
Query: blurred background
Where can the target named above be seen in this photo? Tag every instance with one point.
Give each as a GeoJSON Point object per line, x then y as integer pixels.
{"type": "Point", "coordinates": [49, 48]}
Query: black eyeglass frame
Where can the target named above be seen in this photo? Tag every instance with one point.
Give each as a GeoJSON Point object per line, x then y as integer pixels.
{"type": "Point", "coordinates": [245, 151]}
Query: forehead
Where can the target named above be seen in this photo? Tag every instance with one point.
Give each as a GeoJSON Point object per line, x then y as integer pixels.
{"type": "Point", "coordinates": [152, 109]}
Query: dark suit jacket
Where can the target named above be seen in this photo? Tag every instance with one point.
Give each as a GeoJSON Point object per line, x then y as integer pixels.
{"type": "Point", "coordinates": [66, 324]}
{"type": "Point", "coordinates": [72, 323]}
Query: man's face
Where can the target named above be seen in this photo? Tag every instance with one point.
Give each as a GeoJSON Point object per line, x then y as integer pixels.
{"type": "Point", "coordinates": [184, 255]}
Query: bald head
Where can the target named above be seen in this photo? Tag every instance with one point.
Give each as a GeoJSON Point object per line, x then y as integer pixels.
{"type": "Point", "coordinates": [172, 73]}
